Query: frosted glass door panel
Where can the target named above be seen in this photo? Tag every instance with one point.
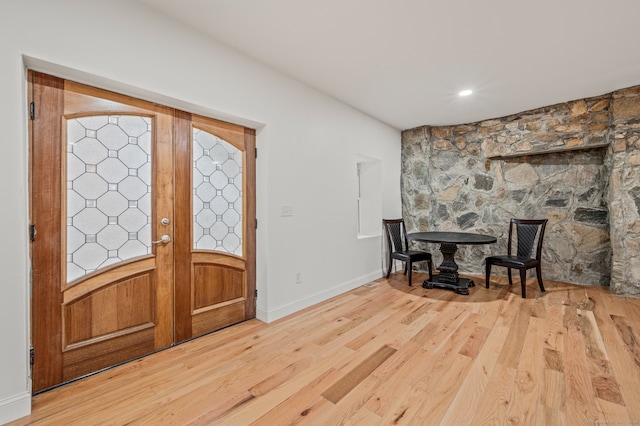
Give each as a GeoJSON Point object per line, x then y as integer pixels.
{"type": "Point", "coordinates": [217, 194]}
{"type": "Point", "coordinates": [108, 191]}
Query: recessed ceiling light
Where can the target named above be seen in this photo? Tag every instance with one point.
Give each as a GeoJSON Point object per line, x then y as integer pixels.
{"type": "Point", "coordinates": [465, 92]}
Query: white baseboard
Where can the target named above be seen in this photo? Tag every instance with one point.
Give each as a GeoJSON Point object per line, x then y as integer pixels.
{"type": "Point", "coordinates": [282, 311]}
{"type": "Point", "coordinates": [15, 407]}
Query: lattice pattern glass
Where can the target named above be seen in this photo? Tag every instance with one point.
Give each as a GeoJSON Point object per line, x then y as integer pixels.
{"type": "Point", "coordinates": [217, 194]}
{"type": "Point", "coordinates": [108, 191]}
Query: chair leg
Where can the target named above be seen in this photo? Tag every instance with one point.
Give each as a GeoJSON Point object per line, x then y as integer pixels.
{"type": "Point", "coordinates": [430, 266]}
{"type": "Point", "coordinates": [405, 267]}
{"type": "Point", "coordinates": [390, 263]}
{"type": "Point", "coordinates": [488, 273]}
{"type": "Point", "coordinates": [509, 274]}
{"type": "Point", "coordinates": [410, 269]}
{"type": "Point", "coordinates": [539, 275]}
{"type": "Point", "coordinates": [523, 282]}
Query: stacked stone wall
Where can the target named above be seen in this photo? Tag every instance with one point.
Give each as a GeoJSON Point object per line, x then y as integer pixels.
{"type": "Point", "coordinates": [575, 164]}
{"type": "Point", "coordinates": [624, 192]}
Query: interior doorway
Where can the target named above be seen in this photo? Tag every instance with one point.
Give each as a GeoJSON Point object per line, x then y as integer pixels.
{"type": "Point", "coordinates": [143, 227]}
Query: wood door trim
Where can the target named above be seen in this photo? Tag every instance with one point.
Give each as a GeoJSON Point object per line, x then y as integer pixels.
{"type": "Point", "coordinates": [225, 259]}
{"type": "Point", "coordinates": [251, 222]}
{"type": "Point", "coordinates": [46, 215]}
{"type": "Point", "coordinates": [218, 305]}
{"type": "Point", "coordinates": [106, 337]}
{"type": "Point", "coordinates": [88, 285]}
{"type": "Point", "coordinates": [231, 133]}
{"type": "Point", "coordinates": [183, 226]}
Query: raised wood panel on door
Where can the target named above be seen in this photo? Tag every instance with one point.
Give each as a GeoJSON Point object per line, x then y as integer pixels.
{"type": "Point", "coordinates": [231, 286]}
{"type": "Point", "coordinates": [112, 323]}
{"type": "Point", "coordinates": [108, 310]}
{"type": "Point", "coordinates": [218, 296]}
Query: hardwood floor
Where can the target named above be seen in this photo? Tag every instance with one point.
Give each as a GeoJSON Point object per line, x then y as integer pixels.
{"type": "Point", "coordinates": [385, 354]}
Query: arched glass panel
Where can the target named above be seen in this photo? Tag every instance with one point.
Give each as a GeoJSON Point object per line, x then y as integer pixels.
{"type": "Point", "coordinates": [108, 191]}
{"type": "Point", "coordinates": [217, 194]}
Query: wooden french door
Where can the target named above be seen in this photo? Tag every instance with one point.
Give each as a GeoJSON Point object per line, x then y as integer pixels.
{"type": "Point", "coordinates": [215, 225]}
{"type": "Point", "coordinates": [143, 227]}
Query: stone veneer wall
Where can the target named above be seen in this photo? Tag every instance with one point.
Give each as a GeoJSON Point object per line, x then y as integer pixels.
{"type": "Point", "coordinates": [575, 164]}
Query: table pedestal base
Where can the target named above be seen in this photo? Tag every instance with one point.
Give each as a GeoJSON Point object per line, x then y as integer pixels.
{"type": "Point", "coordinates": [461, 286]}
{"type": "Point", "coordinates": [448, 277]}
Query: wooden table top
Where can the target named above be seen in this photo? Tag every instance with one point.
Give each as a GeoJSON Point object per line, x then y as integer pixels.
{"type": "Point", "coordinates": [452, 237]}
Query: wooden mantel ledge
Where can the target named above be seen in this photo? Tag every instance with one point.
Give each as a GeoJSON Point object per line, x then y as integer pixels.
{"type": "Point", "coordinates": [549, 151]}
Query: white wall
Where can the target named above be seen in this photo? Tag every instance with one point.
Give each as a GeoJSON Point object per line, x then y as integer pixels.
{"type": "Point", "coordinates": [308, 145]}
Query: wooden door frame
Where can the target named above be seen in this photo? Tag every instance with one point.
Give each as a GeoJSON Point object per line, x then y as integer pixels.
{"type": "Point", "coordinates": [252, 222]}
{"type": "Point", "coordinates": [46, 215]}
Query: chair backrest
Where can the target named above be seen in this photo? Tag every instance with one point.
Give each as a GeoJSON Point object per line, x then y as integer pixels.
{"type": "Point", "coordinates": [396, 234]}
{"type": "Point", "coordinates": [526, 232]}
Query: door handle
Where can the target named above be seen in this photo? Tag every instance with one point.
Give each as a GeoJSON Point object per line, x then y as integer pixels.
{"type": "Point", "coordinates": [164, 239]}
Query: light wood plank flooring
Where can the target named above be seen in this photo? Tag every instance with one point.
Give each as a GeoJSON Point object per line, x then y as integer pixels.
{"type": "Point", "coordinates": [387, 354]}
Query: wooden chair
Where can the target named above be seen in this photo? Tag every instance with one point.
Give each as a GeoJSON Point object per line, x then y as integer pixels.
{"type": "Point", "coordinates": [398, 245]}
{"type": "Point", "coordinates": [526, 233]}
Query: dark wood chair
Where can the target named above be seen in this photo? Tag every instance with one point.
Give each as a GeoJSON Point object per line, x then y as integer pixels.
{"type": "Point", "coordinates": [398, 245]}
{"type": "Point", "coordinates": [526, 233]}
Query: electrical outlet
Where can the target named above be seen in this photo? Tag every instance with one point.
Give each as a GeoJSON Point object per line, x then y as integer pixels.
{"type": "Point", "coordinates": [298, 278]}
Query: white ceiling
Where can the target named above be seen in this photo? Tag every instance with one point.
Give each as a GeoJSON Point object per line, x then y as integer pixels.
{"type": "Point", "coordinates": [404, 61]}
